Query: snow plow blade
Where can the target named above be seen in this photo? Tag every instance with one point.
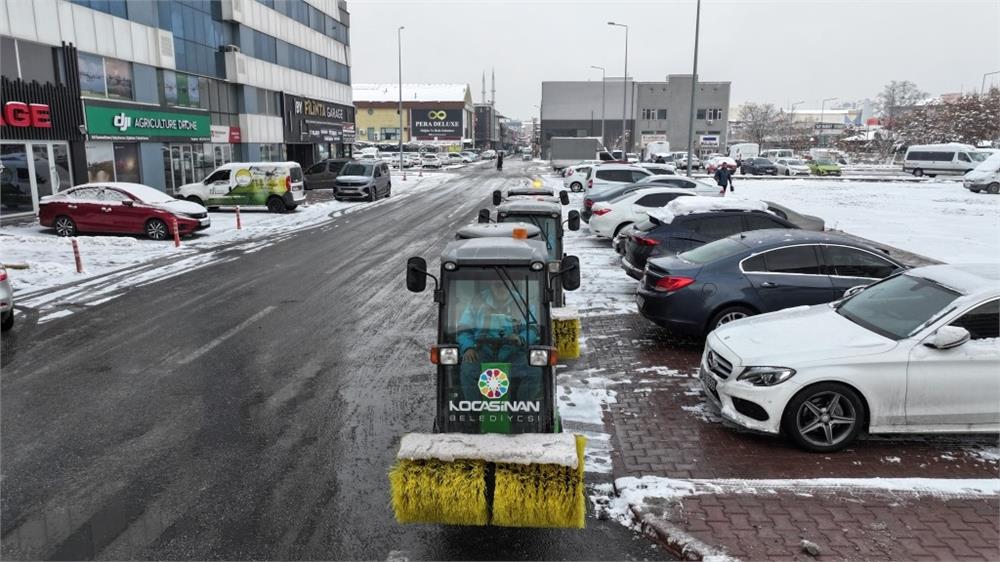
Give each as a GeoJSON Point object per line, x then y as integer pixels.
{"type": "Point", "coordinates": [522, 480]}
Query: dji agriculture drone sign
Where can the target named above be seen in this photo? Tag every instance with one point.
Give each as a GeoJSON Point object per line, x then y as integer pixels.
{"type": "Point", "coordinates": [123, 122]}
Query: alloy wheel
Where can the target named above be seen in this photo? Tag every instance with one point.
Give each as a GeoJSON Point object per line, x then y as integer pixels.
{"type": "Point", "coordinates": [156, 230]}
{"type": "Point", "coordinates": [65, 227]}
{"type": "Point", "coordinates": [731, 317]}
{"type": "Point", "coordinates": [826, 418]}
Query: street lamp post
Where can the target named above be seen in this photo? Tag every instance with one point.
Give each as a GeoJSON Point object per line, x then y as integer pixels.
{"type": "Point", "coordinates": [694, 86]}
{"type": "Point", "coordinates": [399, 45]}
{"type": "Point", "coordinates": [982, 90]}
{"type": "Point", "coordinates": [538, 131]}
{"type": "Point", "coordinates": [604, 94]}
{"type": "Point", "coordinates": [624, 83]}
{"type": "Point", "coordinates": [791, 118]}
{"type": "Point", "coordinates": [822, 110]}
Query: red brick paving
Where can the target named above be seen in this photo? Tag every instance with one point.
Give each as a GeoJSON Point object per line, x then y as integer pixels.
{"type": "Point", "coordinates": [654, 435]}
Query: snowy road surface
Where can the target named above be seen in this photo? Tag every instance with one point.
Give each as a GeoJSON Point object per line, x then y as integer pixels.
{"type": "Point", "coordinates": [250, 407]}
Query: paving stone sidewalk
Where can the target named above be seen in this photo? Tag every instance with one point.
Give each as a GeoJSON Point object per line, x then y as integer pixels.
{"type": "Point", "coordinates": [660, 425]}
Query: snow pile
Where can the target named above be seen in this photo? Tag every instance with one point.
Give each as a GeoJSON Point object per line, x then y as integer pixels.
{"type": "Point", "coordinates": [689, 205]}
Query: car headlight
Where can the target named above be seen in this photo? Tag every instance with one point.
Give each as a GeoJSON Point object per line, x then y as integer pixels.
{"type": "Point", "coordinates": [766, 376]}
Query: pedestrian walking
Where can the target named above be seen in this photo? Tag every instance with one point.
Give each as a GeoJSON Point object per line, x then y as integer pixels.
{"type": "Point", "coordinates": [500, 161]}
{"type": "Point", "coordinates": [724, 177]}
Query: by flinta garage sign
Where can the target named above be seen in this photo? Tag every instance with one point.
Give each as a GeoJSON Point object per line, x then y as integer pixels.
{"type": "Point", "coordinates": [120, 122]}
{"type": "Point", "coordinates": [445, 124]}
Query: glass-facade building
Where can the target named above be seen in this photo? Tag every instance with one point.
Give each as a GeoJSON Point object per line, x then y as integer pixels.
{"type": "Point", "coordinates": [169, 89]}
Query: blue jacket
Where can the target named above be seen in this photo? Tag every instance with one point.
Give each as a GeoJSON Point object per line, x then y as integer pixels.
{"type": "Point", "coordinates": [479, 321]}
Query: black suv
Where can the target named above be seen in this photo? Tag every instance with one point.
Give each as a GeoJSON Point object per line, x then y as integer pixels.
{"type": "Point", "coordinates": [654, 238]}
{"type": "Point", "coordinates": [758, 167]}
{"type": "Point", "coordinates": [322, 174]}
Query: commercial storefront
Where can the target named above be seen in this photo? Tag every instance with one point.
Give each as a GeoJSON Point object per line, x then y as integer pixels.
{"type": "Point", "coordinates": [161, 147]}
{"type": "Point", "coordinates": [315, 130]}
{"type": "Point", "coordinates": [40, 132]}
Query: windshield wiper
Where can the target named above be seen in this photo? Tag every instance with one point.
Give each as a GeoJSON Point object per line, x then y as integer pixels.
{"type": "Point", "coordinates": [545, 233]}
{"type": "Point", "coordinates": [519, 299]}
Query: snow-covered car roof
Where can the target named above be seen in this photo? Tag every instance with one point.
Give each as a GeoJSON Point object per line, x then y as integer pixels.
{"type": "Point", "coordinates": [690, 205]}
{"type": "Point", "coordinates": [142, 192]}
{"type": "Point", "coordinates": [968, 279]}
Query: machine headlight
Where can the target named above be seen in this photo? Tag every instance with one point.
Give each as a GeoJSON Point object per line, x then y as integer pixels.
{"type": "Point", "coordinates": [537, 266]}
{"type": "Point", "coordinates": [766, 376]}
{"type": "Point", "coordinates": [541, 356]}
{"type": "Point", "coordinates": [444, 355]}
{"type": "Point", "coordinates": [450, 266]}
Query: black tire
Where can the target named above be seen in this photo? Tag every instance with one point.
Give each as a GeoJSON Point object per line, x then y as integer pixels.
{"type": "Point", "coordinates": [619, 229]}
{"type": "Point", "coordinates": [993, 188]}
{"type": "Point", "coordinates": [727, 315]}
{"type": "Point", "coordinates": [291, 207]}
{"type": "Point", "coordinates": [787, 173]}
{"type": "Point", "coordinates": [576, 187]}
{"type": "Point", "coordinates": [373, 194]}
{"type": "Point", "coordinates": [388, 192]}
{"type": "Point", "coordinates": [8, 321]}
{"type": "Point", "coordinates": [157, 229]}
{"type": "Point", "coordinates": [834, 411]}
{"type": "Point", "coordinates": [212, 208]}
{"type": "Point", "coordinates": [64, 226]}
{"type": "Point", "coordinates": [932, 175]}
{"type": "Point", "coordinates": [196, 199]}
{"type": "Point", "coordinates": [276, 205]}
{"type": "Point", "coordinates": [918, 172]}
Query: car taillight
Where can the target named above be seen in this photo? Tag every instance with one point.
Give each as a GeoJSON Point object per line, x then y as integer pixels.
{"type": "Point", "coordinates": [602, 212]}
{"type": "Point", "coordinates": [569, 172]}
{"type": "Point", "coordinates": [3, 274]}
{"type": "Point", "coordinates": [588, 203]}
{"type": "Point", "coordinates": [643, 241]}
{"type": "Point", "coordinates": [671, 283]}
{"type": "Point", "coordinates": [590, 184]}
{"type": "Point", "coordinates": [288, 183]}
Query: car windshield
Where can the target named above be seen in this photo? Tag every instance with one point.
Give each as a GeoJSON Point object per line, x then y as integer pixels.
{"type": "Point", "coordinates": [357, 170]}
{"type": "Point", "coordinates": [548, 225]}
{"type": "Point", "coordinates": [713, 251]}
{"type": "Point", "coordinates": [898, 306]}
{"type": "Point", "coordinates": [978, 156]}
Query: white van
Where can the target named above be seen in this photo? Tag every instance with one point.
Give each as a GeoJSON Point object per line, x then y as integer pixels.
{"type": "Point", "coordinates": [744, 150]}
{"type": "Point", "coordinates": [933, 159]}
{"type": "Point", "coordinates": [775, 153]}
{"type": "Point", "coordinates": [277, 185]}
{"type": "Point", "coordinates": [985, 176]}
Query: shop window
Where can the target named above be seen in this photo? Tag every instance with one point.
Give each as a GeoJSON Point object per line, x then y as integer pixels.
{"type": "Point", "coordinates": [127, 162]}
{"type": "Point", "coordinates": [92, 81]}
{"type": "Point", "coordinates": [100, 162]}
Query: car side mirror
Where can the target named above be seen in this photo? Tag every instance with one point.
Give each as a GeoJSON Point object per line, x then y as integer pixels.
{"type": "Point", "coordinates": [128, 202]}
{"type": "Point", "coordinates": [854, 290]}
{"type": "Point", "coordinates": [570, 273]}
{"type": "Point", "coordinates": [416, 274]}
{"type": "Point", "coordinates": [484, 216]}
{"type": "Point", "coordinates": [564, 197]}
{"type": "Point", "coordinates": [573, 222]}
{"type": "Point", "coordinates": [948, 337]}
{"type": "Point", "coordinates": [497, 197]}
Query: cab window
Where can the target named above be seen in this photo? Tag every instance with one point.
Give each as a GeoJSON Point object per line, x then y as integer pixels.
{"type": "Point", "coordinates": [963, 157]}
{"type": "Point", "coordinates": [982, 322]}
{"type": "Point", "coordinates": [219, 175]}
{"type": "Point", "coordinates": [316, 168]}
{"type": "Point", "coordinates": [795, 260]}
{"type": "Point", "coordinates": [850, 262]}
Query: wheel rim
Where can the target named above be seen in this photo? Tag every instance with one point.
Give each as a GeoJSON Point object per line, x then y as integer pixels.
{"type": "Point", "coordinates": [156, 230]}
{"type": "Point", "coordinates": [64, 227]}
{"type": "Point", "coordinates": [273, 205]}
{"type": "Point", "coordinates": [732, 317]}
{"type": "Point", "coordinates": [826, 418]}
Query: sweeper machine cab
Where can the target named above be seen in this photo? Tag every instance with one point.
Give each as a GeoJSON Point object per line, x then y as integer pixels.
{"type": "Point", "coordinates": [536, 191]}
{"type": "Point", "coordinates": [497, 455]}
{"type": "Point", "coordinates": [547, 217]}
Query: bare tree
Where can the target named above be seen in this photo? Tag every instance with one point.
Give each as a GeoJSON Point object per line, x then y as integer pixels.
{"type": "Point", "coordinates": [760, 120]}
{"type": "Point", "coordinates": [897, 98]}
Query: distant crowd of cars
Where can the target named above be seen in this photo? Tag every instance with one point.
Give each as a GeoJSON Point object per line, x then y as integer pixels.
{"type": "Point", "coordinates": [813, 334]}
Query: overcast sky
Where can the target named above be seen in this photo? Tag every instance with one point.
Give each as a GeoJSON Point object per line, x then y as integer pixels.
{"type": "Point", "coordinates": [779, 51]}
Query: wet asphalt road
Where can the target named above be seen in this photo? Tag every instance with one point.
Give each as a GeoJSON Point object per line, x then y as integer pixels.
{"type": "Point", "coordinates": [251, 409]}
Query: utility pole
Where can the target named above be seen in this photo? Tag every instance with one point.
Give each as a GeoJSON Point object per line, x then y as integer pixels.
{"type": "Point", "coordinates": [624, 84]}
{"type": "Point", "coordinates": [694, 85]}
{"type": "Point", "coordinates": [791, 119]}
{"type": "Point", "coordinates": [822, 110]}
{"type": "Point", "coordinates": [604, 97]}
{"type": "Point", "coordinates": [399, 45]}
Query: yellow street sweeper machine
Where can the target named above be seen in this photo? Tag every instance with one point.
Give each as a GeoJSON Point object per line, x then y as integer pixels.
{"type": "Point", "coordinates": [497, 454]}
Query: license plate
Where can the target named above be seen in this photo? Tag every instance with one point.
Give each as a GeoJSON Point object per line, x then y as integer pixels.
{"type": "Point", "coordinates": [708, 380]}
{"type": "Point", "coordinates": [205, 222]}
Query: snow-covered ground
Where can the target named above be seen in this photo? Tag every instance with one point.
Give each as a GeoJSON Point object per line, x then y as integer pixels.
{"type": "Point", "coordinates": [43, 261]}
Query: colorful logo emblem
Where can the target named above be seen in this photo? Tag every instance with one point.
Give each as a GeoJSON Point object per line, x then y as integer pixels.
{"type": "Point", "coordinates": [243, 177]}
{"type": "Point", "coordinates": [493, 383]}
{"type": "Point", "coordinates": [437, 115]}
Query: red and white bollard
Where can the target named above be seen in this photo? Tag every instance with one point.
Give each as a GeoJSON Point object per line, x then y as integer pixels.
{"type": "Point", "coordinates": [76, 256]}
{"type": "Point", "coordinates": [177, 232]}
{"type": "Point", "coordinates": [239, 222]}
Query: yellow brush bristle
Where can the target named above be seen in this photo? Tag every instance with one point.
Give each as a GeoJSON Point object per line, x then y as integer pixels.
{"type": "Point", "coordinates": [566, 334]}
{"type": "Point", "coordinates": [454, 493]}
{"type": "Point", "coordinates": [540, 495]}
{"type": "Point", "coordinates": [431, 491]}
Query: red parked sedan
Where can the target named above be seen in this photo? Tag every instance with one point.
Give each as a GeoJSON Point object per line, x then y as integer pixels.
{"type": "Point", "coordinates": [119, 207]}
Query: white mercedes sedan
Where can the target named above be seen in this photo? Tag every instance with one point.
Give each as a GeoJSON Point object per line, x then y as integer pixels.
{"type": "Point", "coordinates": [918, 352]}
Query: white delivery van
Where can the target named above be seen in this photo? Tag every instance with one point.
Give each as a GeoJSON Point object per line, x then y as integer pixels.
{"type": "Point", "coordinates": [277, 185]}
{"type": "Point", "coordinates": [652, 149]}
{"type": "Point", "coordinates": [744, 150]}
{"type": "Point", "coordinates": [985, 176]}
{"type": "Point", "coordinates": [933, 159]}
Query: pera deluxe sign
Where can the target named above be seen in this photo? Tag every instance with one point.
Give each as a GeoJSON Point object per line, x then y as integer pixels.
{"type": "Point", "coordinates": [441, 123]}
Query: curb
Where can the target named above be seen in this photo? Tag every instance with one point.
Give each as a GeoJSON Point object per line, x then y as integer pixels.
{"type": "Point", "coordinates": [674, 539]}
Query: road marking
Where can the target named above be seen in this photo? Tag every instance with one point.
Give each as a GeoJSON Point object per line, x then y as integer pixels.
{"type": "Point", "coordinates": [232, 332]}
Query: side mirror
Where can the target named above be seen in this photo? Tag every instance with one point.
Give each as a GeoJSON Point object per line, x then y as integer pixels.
{"type": "Point", "coordinates": [416, 274]}
{"type": "Point", "coordinates": [128, 202]}
{"type": "Point", "coordinates": [484, 216]}
{"type": "Point", "coordinates": [948, 337]}
{"type": "Point", "coordinates": [497, 197]}
{"type": "Point", "coordinates": [574, 220]}
{"type": "Point", "coordinates": [854, 290]}
{"type": "Point", "coordinates": [570, 273]}
{"type": "Point", "coordinates": [564, 197]}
